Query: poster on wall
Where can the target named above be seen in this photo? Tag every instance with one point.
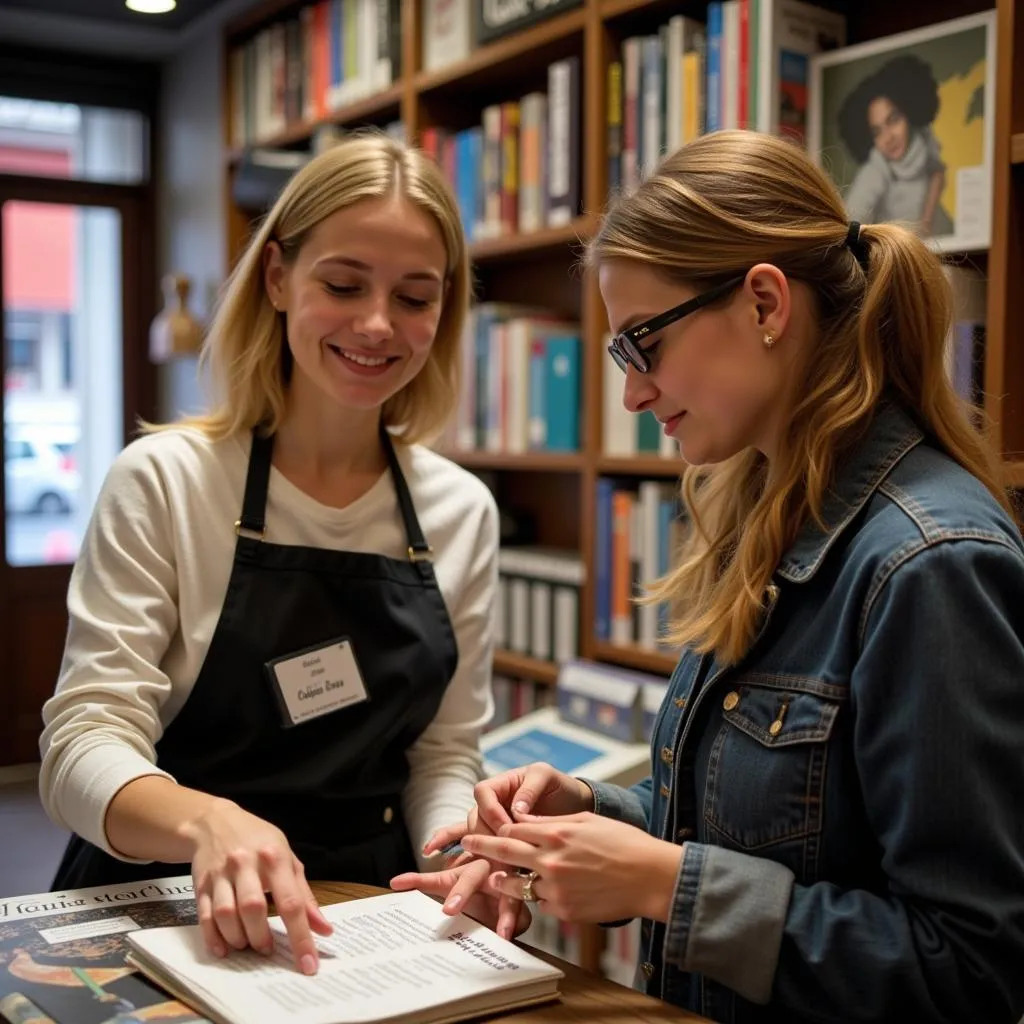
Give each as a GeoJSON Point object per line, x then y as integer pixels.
{"type": "Point", "coordinates": [904, 126]}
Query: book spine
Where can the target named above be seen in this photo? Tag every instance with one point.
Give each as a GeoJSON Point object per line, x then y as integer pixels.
{"type": "Point", "coordinates": [563, 141]}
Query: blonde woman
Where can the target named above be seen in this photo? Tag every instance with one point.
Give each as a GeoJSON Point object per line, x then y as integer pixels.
{"type": "Point", "coordinates": [278, 662]}
{"type": "Point", "coordinates": [832, 828]}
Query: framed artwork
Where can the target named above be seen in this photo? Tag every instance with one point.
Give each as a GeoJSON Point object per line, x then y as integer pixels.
{"type": "Point", "coordinates": [904, 127]}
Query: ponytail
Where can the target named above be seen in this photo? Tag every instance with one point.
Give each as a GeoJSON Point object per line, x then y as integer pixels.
{"type": "Point", "coordinates": [907, 311]}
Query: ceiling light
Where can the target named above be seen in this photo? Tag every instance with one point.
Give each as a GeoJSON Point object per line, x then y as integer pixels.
{"type": "Point", "coordinates": [150, 6]}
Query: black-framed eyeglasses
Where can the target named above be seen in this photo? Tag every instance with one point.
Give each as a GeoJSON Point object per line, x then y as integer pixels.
{"type": "Point", "coordinates": [625, 348]}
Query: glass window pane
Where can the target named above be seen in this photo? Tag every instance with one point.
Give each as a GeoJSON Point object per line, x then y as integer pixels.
{"type": "Point", "coordinates": [63, 411]}
{"type": "Point", "coordinates": [65, 140]}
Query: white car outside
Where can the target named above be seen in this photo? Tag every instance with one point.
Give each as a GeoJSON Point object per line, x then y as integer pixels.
{"type": "Point", "coordinates": [39, 474]}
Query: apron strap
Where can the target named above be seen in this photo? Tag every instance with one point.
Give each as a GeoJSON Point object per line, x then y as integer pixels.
{"type": "Point", "coordinates": [420, 551]}
{"type": "Point", "coordinates": [257, 480]}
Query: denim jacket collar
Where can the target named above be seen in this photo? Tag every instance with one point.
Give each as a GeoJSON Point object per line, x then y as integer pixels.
{"type": "Point", "coordinates": [891, 434]}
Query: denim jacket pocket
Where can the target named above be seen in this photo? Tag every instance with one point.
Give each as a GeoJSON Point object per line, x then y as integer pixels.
{"type": "Point", "coordinates": [766, 772]}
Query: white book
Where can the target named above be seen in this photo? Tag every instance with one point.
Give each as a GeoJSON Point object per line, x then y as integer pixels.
{"type": "Point", "coordinates": [652, 72]}
{"type": "Point", "coordinates": [395, 957]}
{"type": "Point", "coordinates": [731, 64]}
{"type": "Point", "coordinates": [792, 30]}
{"type": "Point", "coordinates": [618, 424]}
{"type": "Point", "coordinates": [674, 50]}
{"type": "Point", "coordinates": [447, 32]}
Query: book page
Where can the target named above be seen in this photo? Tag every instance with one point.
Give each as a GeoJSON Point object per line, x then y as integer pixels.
{"type": "Point", "coordinates": [389, 956]}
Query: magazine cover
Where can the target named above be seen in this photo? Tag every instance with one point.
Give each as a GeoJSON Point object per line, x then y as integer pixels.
{"type": "Point", "coordinates": [904, 126]}
{"type": "Point", "coordinates": [62, 954]}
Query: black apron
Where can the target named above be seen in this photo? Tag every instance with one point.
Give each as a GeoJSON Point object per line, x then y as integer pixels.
{"type": "Point", "coordinates": [332, 784]}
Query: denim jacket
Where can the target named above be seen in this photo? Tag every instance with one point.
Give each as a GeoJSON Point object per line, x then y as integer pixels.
{"type": "Point", "coordinates": [850, 796]}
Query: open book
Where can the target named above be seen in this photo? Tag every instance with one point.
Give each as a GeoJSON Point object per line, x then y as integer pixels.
{"type": "Point", "coordinates": [394, 958]}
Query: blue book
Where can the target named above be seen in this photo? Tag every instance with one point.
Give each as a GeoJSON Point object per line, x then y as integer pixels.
{"type": "Point", "coordinates": [603, 560]}
{"type": "Point", "coordinates": [540, 745]}
{"type": "Point", "coordinates": [468, 145]}
{"type": "Point", "coordinates": [713, 100]}
{"type": "Point", "coordinates": [562, 399]}
{"type": "Point", "coordinates": [336, 44]}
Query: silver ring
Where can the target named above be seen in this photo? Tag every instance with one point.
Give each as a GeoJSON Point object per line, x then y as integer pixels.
{"type": "Point", "coordinates": [528, 880]}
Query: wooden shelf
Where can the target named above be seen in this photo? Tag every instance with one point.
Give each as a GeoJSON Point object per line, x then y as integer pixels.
{"type": "Point", "coordinates": [635, 657]}
{"type": "Point", "coordinates": [509, 663]}
{"type": "Point", "coordinates": [611, 9]}
{"type": "Point", "coordinates": [540, 462]}
{"type": "Point", "coordinates": [645, 465]}
{"type": "Point", "coordinates": [491, 62]}
{"type": "Point", "coordinates": [539, 267]}
{"type": "Point", "coordinates": [380, 104]}
{"type": "Point", "coordinates": [493, 250]}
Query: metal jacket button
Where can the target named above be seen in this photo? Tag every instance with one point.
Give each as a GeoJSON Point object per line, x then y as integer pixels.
{"type": "Point", "coordinates": [732, 698]}
{"type": "Point", "coordinates": [648, 969]}
{"type": "Point", "coordinates": [389, 815]}
{"type": "Point", "coordinates": [666, 755]}
{"type": "Point", "coordinates": [664, 790]}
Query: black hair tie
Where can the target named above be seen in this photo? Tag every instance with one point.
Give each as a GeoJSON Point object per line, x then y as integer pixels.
{"type": "Point", "coordinates": [856, 245]}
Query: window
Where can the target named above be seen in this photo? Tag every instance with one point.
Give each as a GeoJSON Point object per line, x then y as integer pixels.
{"type": "Point", "coordinates": [66, 140]}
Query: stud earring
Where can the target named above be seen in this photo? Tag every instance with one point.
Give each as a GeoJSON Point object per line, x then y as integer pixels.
{"type": "Point", "coordinates": [768, 340]}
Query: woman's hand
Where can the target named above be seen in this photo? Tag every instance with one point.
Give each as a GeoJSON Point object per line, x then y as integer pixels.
{"type": "Point", "coordinates": [499, 800]}
{"type": "Point", "coordinates": [507, 915]}
{"type": "Point", "coordinates": [589, 868]}
{"type": "Point", "coordinates": [237, 859]}
{"type": "Point", "coordinates": [535, 789]}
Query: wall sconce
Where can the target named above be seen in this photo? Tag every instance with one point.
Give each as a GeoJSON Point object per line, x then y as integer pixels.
{"type": "Point", "coordinates": [175, 332]}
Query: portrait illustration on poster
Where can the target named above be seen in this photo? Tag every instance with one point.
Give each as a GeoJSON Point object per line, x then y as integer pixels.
{"type": "Point", "coordinates": [904, 126]}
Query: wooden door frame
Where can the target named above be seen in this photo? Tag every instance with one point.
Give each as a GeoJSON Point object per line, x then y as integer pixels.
{"type": "Point", "coordinates": [37, 583]}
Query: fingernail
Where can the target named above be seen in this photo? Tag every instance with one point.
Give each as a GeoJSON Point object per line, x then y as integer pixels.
{"type": "Point", "coordinates": [519, 807]}
{"type": "Point", "coordinates": [308, 964]}
{"type": "Point", "coordinates": [454, 902]}
{"type": "Point", "coordinates": [498, 877]}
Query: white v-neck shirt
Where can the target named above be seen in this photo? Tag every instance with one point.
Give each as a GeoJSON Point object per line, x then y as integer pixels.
{"type": "Point", "coordinates": [146, 593]}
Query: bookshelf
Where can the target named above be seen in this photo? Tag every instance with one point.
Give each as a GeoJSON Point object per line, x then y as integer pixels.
{"type": "Point", "coordinates": [558, 488]}
{"type": "Point", "coordinates": [520, 665]}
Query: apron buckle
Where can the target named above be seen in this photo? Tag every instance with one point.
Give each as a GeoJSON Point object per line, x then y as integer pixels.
{"type": "Point", "coordinates": [260, 534]}
{"type": "Point", "coordinates": [425, 554]}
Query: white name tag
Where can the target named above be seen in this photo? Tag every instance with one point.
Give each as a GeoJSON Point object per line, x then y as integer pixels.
{"type": "Point", "coordinates": [318, 681]}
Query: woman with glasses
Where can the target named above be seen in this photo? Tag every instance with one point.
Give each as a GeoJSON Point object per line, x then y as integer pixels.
{"type": "Point", "coordinates": [831, 827]}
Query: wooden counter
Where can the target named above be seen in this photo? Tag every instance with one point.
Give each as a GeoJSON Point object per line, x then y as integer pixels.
{"type": "Point", "coordinates": [585, 998]}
